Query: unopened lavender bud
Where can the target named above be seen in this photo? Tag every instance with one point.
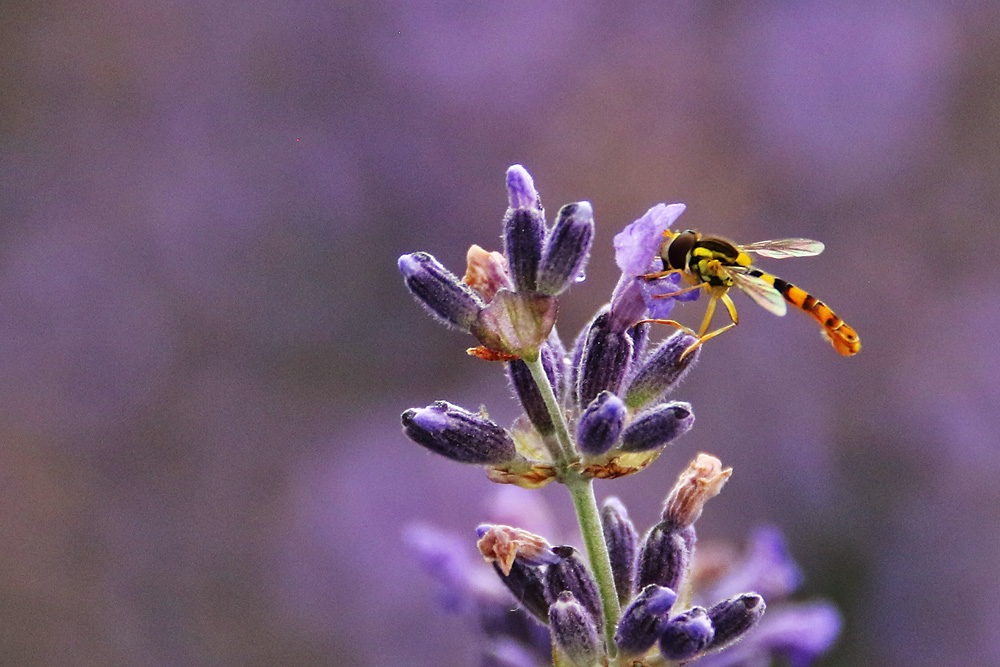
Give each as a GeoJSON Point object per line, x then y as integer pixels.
{"type": "Point", "coordinates": [733, 617]}
{"type": "Point", "coordinates": [527, 584]}
{"type": "Point", "coordinates": [601, 424]}
{"type": "Point", "coordinates": [663, 371]}
{"type": "Point", "coordinates": [571, 574]}
{"type": "Point", "coordinates": [685, 636]}
{"type": "Point", "coordinates": [567, 248]}
{"type": "Point", "coordinates": [527, 389]}
{"type": "Point", "coordinates": [604, 359]}
{"type": "Point", "coordinates": [574, 631]}
{"type": "Point", "coordinates": [658, 427]}
{"type": "Point", "coordinates": [460, 435]}
{"type": "Point", "coordinates": [665, 556]}
{"type": "Point", "coordinates": [623, 541]}
{"type": "Point", "coordinates": [640, 339]}
{"type": "Point", "coordinates": [640, 625]}
{"type": "Point", "coordinates": [438, 290]}
{"type": "Point", "coordinates": [523, 230]}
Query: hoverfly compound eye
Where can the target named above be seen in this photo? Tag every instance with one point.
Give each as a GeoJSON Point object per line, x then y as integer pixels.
{"type": "Point", "coordinates": [677, 251]}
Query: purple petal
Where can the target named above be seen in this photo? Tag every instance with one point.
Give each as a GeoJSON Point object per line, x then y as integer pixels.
{"type": "Point", "coordinates": [636, 245]}
{"type": "Point", "coordinates": [767, 568]}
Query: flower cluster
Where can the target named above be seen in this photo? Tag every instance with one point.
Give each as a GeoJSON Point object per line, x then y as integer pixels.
{"type": "Point", "coordinates": [607, 394]}
{"type": "Point", "coordinates": [600, 411]}
{"type": "Point", "coordinates": [656, 621]}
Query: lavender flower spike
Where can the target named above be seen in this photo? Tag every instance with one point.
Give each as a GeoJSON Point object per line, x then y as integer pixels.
{"type": "Point", "coordinates": [523, 229]}
{"type": "Point", "coordinates": [686, 635]}
{"type": "Point", "coordinates": [437, 289]}
{"type": "Point", "coordinates": [574, 632]}
{"type": "Point", "coordinates": [658, 427]}
{"type": "Point", "coordinates": [732, 618]}
{"type": "Point", "coordinates": [458, 434]}
{"type": "Point", "coordinates": [642, 621]}
{"type": "Point", "coordinates": [567, 249]}
{"type": "Point", "coordinates": [601, 424]}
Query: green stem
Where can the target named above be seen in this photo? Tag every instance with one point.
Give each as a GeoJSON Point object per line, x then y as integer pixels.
{"type": "Point", "coordinates": [582, 490]}
{"type": "Point", "coordinates": [584, 502]}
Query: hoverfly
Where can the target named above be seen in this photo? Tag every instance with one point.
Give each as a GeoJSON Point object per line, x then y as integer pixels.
{"type": "Point", "coordinates": [715, 265]}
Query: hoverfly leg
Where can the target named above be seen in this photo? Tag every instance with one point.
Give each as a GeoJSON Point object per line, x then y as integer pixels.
{"type": "Point", "coordinates": [678, 292]}
{"type": "Point", "coordinates": [672, 323]}
{"type": "Point", "coordinates": [702, 336]}
{"type": "Point", "coordinates": [649, 277]}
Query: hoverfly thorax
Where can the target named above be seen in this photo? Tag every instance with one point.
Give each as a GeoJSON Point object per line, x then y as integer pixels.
{"type": "Point", "coordinates": [674, 252]}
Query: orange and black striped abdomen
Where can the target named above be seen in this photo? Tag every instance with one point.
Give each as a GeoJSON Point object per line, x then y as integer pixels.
{"type": "Point", "coordinates": [843, 338]}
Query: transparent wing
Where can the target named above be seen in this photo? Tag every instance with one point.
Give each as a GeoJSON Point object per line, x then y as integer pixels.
{"type": "Point", "coordinates": [782, 248]}
{"type": "Point", "coordinates": [760, 291]}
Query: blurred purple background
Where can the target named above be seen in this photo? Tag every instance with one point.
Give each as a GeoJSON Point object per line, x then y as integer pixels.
{"type": "Point", "coordinates": [205, 344]}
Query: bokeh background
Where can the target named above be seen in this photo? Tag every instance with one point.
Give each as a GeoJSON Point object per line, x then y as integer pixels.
{"type": "Point", "coordinates": [205, 344]}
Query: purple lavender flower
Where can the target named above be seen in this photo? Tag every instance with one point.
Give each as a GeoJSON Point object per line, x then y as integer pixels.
{"type": "Point", "coordinates": [636, 249]}
{"type": "Point", "coordinates": [571, 574]}
{"type": "Point", "coordinates": [686, 635]}
{"type": "Point", "coordinates": [440, 291]}
{"type": "Point", "coordinates": [662, 371]}
{"type": "Point", "coordinates": [523, 229]}
{"type": "Point", "coordinates": [642, 621]}
{"type": "Point", "coordinates": [658, 427]}
{"type": "Point", "coordinates": [574, 631]}
{"type": "Point", "coordinates": [623, 543]}
{"type": "Point", "coordinates": [732, 618]}
{"type": "Point", "coordinates": [458, 434]}
{"type": "Point", "coordinates": [567, 249]}
{"type": "Point", "coordinates": [605, 420]}
{"type": "Point", "coordinates": [601, 424]}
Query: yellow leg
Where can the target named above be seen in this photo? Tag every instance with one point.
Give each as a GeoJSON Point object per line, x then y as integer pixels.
{"type": "Point", "coordinates": [658, 274]}
{"type": "Point", "coordinates": [672, 323]}
{"type": "Point", "coordinates": [702, 336]}
{"type": "Point", "coordinates": [683, 291]}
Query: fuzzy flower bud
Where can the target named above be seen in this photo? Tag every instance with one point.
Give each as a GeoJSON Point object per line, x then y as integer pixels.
{"type": "Point", "coordinates": [523, 229]}
{"type": "Point", "coordinates": [685, 636]}
{"type": "Point", "coordinates": [439, 291]}
{"type": "Point", "coordinates": [732, 618]}
{"type": "Point", "coordinates": [642, 620]}
{"type": "Point", "coordinates": [571, 574]}
{"type": "Point", "coordinates": [567, 248]}
{"type": "Point", "coordinates": [601, 424]}
{"type": "Point", "coordinates": [574, 631]}
{"type": "Point", "coordinates": [658, 427]}
{"type": "Point", "coordinates": [527, 584]}
{"type": "Point", "coordinates": [665, 556]}
{"type": "Point", "coordinates": [662, 371]}
{"type": "Point", "coordinates": [527, 390]}
{"type": "Point", "coordinates": [458, 434]}
{"type": "Point", "coordinates": [623, 542]}
{"type": "Point", "coordinates": [605, 357]}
